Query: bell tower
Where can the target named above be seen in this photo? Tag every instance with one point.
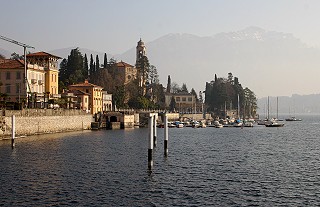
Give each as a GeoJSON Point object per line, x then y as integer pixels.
{"type": "Point", "coordinates": [141, 50]}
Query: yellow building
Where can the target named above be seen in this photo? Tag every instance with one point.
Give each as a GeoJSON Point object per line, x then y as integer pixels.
{"type": "Point", "coordinates": [95, 99]}
{"type": "Point", "coordinates": [50, 64]}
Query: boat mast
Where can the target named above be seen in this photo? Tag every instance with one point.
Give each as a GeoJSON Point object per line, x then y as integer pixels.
{"type": "Point", "coordinates": [277, 107]}
{"type": "Point", "coordinates": [268, 109]}
{"type": "Point", "coordinates": [238, 107]}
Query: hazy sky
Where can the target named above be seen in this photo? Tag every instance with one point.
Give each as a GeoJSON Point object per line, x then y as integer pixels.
{"type": "Point", "coordinates": [114, 26]}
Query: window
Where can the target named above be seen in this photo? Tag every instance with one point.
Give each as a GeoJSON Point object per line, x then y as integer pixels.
{"type": "Point", "coordinates": [184, 99]}
{"type": "Point", "coordinates": [189, 99]}
{"type": "Point", "coordinates": [18, 88]}
{"type": "Point", "coordinates": [8, 75]}
{"type": "Point", "coordinates": [86, 100]}
{"type": "Point", "coordinates": [8, 89]}
{"type": "Point", "coordinates": [177, 98]}
{"type": "Point", "coordinates": [18, 75]}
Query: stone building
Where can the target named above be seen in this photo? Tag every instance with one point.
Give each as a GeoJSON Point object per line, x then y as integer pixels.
{"type": "Point", "coordinates": [123, 73]}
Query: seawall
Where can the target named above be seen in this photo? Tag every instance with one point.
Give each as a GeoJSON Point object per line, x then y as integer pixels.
{"type": "Point", "coordinates": [33, 122]}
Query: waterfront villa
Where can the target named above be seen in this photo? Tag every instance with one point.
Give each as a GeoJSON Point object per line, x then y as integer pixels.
{"type": "Point", "coordinates": [49, 63]}
{"type": "Point", "coordinates": [13, 85]}
{"type": "Point", "coordinates": [184, 102]}
{"type": "Point", "coordinates": [42, 79]}
{"type": "Point", "coordinates": [95, 100]}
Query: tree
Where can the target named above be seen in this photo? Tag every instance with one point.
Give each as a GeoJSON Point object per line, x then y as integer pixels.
{"type": "Point", "coordinates": [184, 88]}
{"type": "Point", "coordinates": [97, 63]}
{"type": "Point", "coordinates": [169, 84]}
{"type": "Point", "coordinates": [193, 92]}
{"type": "Point", "coordinates": [153, 75]}
{"type": "Point", "coordinates": [230, 78]}
{"type": "Point", "coordinates": [172, 105]}
{"type": "Point", "coordinates": [143, 67]}
{"type": "Point", "coordinates": [175, 88]}
{"type": "Point", "coordinates": [72, 69]}
{"type": "Point", "coordinates": [85, 66]}
{"type": "Point", "coordinates": [63, 75]}
{"type": "Point", "coordinates": [16, 56]}
{"type": "Point", "coordinates": [91, 68]}
{"type": "Point", "coordinates": [75, 67]}
{"type": "Point", "coordinates": [105, 60]}
{"type": "Point", "coordinates": [221, 92]}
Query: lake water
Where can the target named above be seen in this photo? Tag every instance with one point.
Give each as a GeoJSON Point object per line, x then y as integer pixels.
{"type": "Point", "coordinates": [256, 166]}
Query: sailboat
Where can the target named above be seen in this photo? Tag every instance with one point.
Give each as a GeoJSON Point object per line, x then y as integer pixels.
{"type": "Point", "coordinates": [273, 122]}
{"type": "Point", "coordinates": [293, 118]}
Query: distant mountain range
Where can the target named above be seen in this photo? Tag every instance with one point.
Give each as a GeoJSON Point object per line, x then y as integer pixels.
{"type": "Point", "coordinates": [267, 62]}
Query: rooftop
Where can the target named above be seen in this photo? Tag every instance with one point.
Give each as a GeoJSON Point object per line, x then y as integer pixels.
{"type": "Point", "coordinates": [39, 54]}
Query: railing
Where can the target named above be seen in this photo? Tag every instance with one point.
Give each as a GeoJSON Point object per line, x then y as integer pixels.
{"type": "Point", "coordinates": [43, 112]}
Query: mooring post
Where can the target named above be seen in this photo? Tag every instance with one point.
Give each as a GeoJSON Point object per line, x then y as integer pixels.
{"type": "Point", "coordinates": [150, 159]}
{"type": "Point", "coordinates": [155, 130]}
{"type": "Point", "coordinates": [165, 135]}
{"type": "Point", "coordinates": [13, 130]}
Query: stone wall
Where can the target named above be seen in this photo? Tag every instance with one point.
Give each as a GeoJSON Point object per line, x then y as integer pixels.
{"type": "Point", "coordinates": [29, 125]}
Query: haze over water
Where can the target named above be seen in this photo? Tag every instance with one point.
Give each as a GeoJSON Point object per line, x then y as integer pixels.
{"type": "Point", "coordinates": [205, 167]}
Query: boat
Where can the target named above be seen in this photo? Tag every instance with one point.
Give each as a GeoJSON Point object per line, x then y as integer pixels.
{"type": "Point", "coordinates": [273, 123]}
{"type": "Point", "coordinates": [293, 119]}
{"type": "Point", "coordinates": [217, 124]}
{"type": "Point", "coordinates": [261, 122]}
{"type": "Point", "coordinates": [202, 125]}
{"type": "Point", "coordinates": [248, 124]}
{"type": "Point", "coordinates": [171, 125]}
{"type": "Point", "coordinates": [179, 124]}
{"type": "Point", "coordinates": [238, 123]}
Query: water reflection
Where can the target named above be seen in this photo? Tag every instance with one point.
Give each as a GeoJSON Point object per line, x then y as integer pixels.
{"type": "Point", "coordinates": [204, 167]}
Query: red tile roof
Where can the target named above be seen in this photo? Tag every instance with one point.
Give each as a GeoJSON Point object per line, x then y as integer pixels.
{"type": "Point", "coordinates": [42, 54]}
{"type": "Point", "coordinates": [123, 64]}
{"type": "Point", "coordinates": [85, 84]}
{"type": "Point", "coordinates": [12, 64]}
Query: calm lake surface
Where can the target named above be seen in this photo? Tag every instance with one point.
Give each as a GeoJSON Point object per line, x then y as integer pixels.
{"type": "Point", "coordinates": [256, 166]}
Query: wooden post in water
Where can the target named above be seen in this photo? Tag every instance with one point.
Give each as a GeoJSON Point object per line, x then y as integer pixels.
{"type": "Point", "coordinates": [165, 135]}
{"type": "Point", "coordinates": [13, 130]}
{"type": "Point", "coordinates": [150, 150]}
{"type": "Point", "coordinates": [155, 130]}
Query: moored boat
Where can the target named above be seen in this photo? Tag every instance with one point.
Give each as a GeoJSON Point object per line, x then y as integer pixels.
{"type": "Point", "coordinates": [273, 123]}
{"type": "Point", "coordinates": [293, 119]}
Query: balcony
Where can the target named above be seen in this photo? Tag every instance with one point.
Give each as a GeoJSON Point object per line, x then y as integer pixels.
{"type": "Point", "coordinates": [40, 82]}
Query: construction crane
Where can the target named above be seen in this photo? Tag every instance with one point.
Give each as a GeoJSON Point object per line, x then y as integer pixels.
{"type": "Point", "coordinates": [25, 46]}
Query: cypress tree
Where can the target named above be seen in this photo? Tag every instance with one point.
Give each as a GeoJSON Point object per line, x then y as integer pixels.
{"type": "Point", "coordinates": [97, 63]}
{"type": "Point", "coordinates": [91, 68]}
{"type": "Point", "coordinates": [105, 61]}
{"type": "Point", "coordinates": [169, 84]}
{"type": "Point", "coordinates": [85, 67]}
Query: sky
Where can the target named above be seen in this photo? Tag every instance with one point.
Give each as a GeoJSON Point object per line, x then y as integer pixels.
{"type": "Point", "coordinates": [115, 26]}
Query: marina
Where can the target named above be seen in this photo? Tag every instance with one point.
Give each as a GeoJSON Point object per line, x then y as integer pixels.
{"type": "Point", "coordinates": [256, 166]}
